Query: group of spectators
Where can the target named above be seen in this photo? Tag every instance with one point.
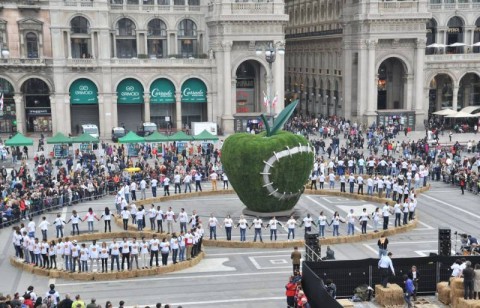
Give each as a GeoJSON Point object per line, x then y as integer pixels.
{"type": "Point", "coordinates": [53, 299]}
{"type": "Point", "coordinates": [296, 297]}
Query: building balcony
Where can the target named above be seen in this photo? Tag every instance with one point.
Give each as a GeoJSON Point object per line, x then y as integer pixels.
{"type": "Point", "coordinates": [24, 62]}
{"type": "Point", "coordinates": [162, 62]}
{"type": "Point", "coordinates": [454, 57]}
{"type": "Point", "coordinates": [453, 6]}
{"type": "Point", "coordinates": [233, 8]}
{"type": "Point", "coordinates": [154, 8]}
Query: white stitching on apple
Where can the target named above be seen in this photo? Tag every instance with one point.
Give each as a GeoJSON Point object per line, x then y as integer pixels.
{"type": "Point", "coordinates": [271, 162]}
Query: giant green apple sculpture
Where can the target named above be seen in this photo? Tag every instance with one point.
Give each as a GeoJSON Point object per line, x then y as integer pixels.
{"type": "Point", "coordinates": [268, 171]}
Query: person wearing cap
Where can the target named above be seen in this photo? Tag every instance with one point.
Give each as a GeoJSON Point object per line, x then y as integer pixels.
{"type": "Point", "coordinates": [385, 265]}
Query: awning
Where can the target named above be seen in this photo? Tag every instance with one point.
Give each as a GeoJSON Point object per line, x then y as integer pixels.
{"type": "Point", "coordinates": [157, 137]}
{"type": "Point", "coordinates": [205, 135]}
{"type": "Point", "coordinates": [194, 91]}
{"type": "Point", "coordinates": [180, 136]}
{"type": "Point", "coordinates": [129, 91]}
{"type": "Point", "coordinates": [83, 92]}
{"type": "Point", "coordinates": [131, 137]}
{"type": "Point", "coordinates": [85, 138]}
{"type": "Point", "coordinates": [59, 138]}
{"type": "Point", "coordinates": [162, 91]}
{"type": "Point", "coordinates": [445, 112]}
{"type": "Point", "coordinates": [18, 140]}
{"type": "Point", "coordinates": [470, 109]}
{"type": "Point", "coordinates": [461, 114]}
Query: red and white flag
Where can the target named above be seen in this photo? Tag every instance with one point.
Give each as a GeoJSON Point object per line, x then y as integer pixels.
{"type": "Point", "coordinates": [265, 100]}
{"type": "Point", "coordinates": [275, 101]}
{"type": "Point", "coordinates": [1, 102]}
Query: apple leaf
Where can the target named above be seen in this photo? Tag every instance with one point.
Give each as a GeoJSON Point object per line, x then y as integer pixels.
{"type": "Point", "coordinates": [265, 121]}
{"type": "Point", "coordinates": [283, 118]}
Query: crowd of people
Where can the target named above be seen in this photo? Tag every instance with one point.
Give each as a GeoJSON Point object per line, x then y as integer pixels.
{"type": "Point", "coordinates": [53, 299]}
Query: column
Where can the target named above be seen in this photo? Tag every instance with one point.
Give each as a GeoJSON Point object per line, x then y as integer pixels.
{"type": "Point", "coordinates": [233, 94]}
{"type": "Point", "coordinates": [421, 106]}
{"type": "Point", "coordinates": [371, 77]}
{"type": "Point", "coordinates": [67, 121]}
{"type": "Point", "coordinates": [361, 78]}
{"type": "Point", "coordinates": [279, 80]}
{"type": "Point", "coordinates": [56, 113]}
{"type": "Point", "coordinates": [347, 82]}
{"type": "Point", "coordinates": [227, 115]}
{"type": "Point", "coordinates": [408, 90]}
{"type": "Point", "coordinates": [146, 107]}
{"type": "Point", "coordinates": [20, 113]}
{"type": "Point", "coordinates": [455, 97]}
{"type": "Point", "coordinates": [102, 117]}
{"type": "Point", "coordinates": [114, 111]}
{"type": "Point", "coordinates": [69, 45]}
{"type": "Point", "coordinates": [93, 44]}
{"type": "Point", "coordinates": [114, 46]}
{"type": "Point", "coordinates": [178, 109]}
{"type": "Point", "coordinates": [210, 108]}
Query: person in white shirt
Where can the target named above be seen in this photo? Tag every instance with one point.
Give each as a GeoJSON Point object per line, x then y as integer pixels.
{"type": "Point", "coordinates": [177, 179]}
{"type": "Point", "coordinates": [44, 227]}
{"type": "Point", "coordinates": [321, 180]}
{"type": "Point", "coordinates": [84, 258]}
{"type": "Point", "coordinates": [308, 222]}
{"type": "Point", "coordinates": [397, 209]}
{"type": "Point", "coordinates": [364, 218]}
{"type": "Point", "coordinates": [67, 255]}
{"type": "Point", "coordinates": [405, 212]}
{"type": "Point", "coordinates": [174, 245]}
{"type": "Point", "coordinates": [75, 249]}
{"type": "Point", "coordinates": [133, 190]}
{"type": "Point", "coordinates": [133, 213]}
{"type": "Point", "coordinates": [291, 223]}
{"type": "Point", "coordinates": [385, 265]}
{"type": "Point", "coordinates": [225, 180]}
{"type": "Point", "coordinates": [114, 254]}
{"type": "Point", "coordinates": [90, 217]}
{"type": "Point", "coordinates": [164, 250]}
{"type": "Point", "coordinates": [412, 205]}
{"type": "Point", "coordinates": [228, 224]}
{"type": "Point", "coordinates": [75, 219]}
{"type": "Point", "coordinates": [152, 215]}
{"type": "Point", "coordinates": [166, 186]}
{"type": "Point", "coordinates": [198, 179]}
{"type": "Point", "coordinates": [126, 192]}
{"type": "Point", "coordinates": [94, 253]}
{"type": "Point", "coordinates": [322, 222]}
{"type": "Point", "coordinates": [213, 179]}
{"type": "Point", "coordinates": [370, 186]}
{"type": "Point", "coordinates": [134, 251]}
{"type": "Point", "coordinates": [187, 180]}
{"type": "Point", "coordinates": [143, 186]}
{"type": "Point", "coordinates": [170, 218]}
{"type": "Point", "coordinates": [52, 255]}
{"type": "Point", "coordinates": [59, 223]}
{"type": "Point", "coordinates": [125, 216]}
{"type": "Point", "coordinates": [181, 247]}
{"type": "Point", "coordinates": [212, 223]}
{"type": "Point", "coordinates": [31, 228]}
{"type": "Point", "coordinates": [258, 224]}
{"type": "Point", "coordinates": [154, 183]}
{"type": "Point", "coordinates": [104, 257]}
{"type": "Point", "coordinates": [144, 252]}
{"type": "Point", "coordinates": [360, 184]}
{"type": "Point", "coordinates": [125, 247]}
{"type": "Point", "coordinates": [139, 218]}
{"type": "Point", "coordinates": [160, 217]}
{"type": "Point", "coordinates": [331, 179]}
{"type": "Point", "coordinates": [273, 228]}
{"type": "Point", "coordinates": [386, 214]}
{"type": "Point", "coordinates": [107, 218]}
{"type": "Point", "coordinates": [154, 248]}
{"type": "Point", "coordinates": [351, 223]}
{"type": "Point", "coordinates": [183, 219]}
{"type": "Point", "coordinates": [242, 224]}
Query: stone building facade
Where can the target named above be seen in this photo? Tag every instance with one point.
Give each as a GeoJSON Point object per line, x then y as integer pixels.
{"type": "Point", "coordinates": [375, 60]}
{"type": "Point", "coordinates": [124, 62]}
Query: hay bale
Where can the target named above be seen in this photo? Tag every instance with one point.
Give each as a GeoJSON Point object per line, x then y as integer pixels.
{"type": "Point", "coordinates": [126, 274]}
{"type": "Point", "coordinates": [83, 276]}
{"type": "Point", "coordinates": [54, 274]}
{"type": "Point", "coordinates": [455, 296]}
{"type": "Point", "coordinates": [468, 303]}
{"type": "Point", "coordinates": [443, 290]}
{"type": "Point", "coordinates": [392, 295]}
{"type": "Point", "coordinates": [145, 272]}
{"type": "Point", "coordinates": [456, 283]}
{"type": "Point", "coordinates": [40, 271]}
{"type": "Point", "coordinates": [345, 303]}
{"type": "Point", "coordinates": [105, 276]}
{"type": "Point", "coordinates": [65, 275]}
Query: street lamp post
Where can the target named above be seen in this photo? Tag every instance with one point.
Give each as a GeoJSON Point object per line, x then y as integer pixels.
{"type": "Point", "coordinates": [270, 53]}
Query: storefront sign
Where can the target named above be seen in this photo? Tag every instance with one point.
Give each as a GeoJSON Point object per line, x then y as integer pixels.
{"type": "Point", "coordinates": [194, 91]}
{"type": "Point", "coordinates": [130, 91]}
{"type": "Point", "coordinates": [83, 92]}
{"type": "Point", "coordinates": [38, 111]}
{"type": "Point", "coordinates": [245, 83]}
{"type": "Point", "coordinates": [162, 91]}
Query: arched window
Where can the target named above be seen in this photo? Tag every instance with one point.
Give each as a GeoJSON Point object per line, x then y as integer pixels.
{"type": "Point", "coordinates": [455, 34]}
{"type": "Point", "coordinates": [187, 38]}
{"type": "Point", "coordinates": [476, 36]}
{"type": "Point", "coordinates": [157, 39]}
{"type": "Point", "coordinates": [80, 25]}
{"type": "Point", "coordinates": [80, 38]}
{"type": "Point", "coordinates": [431, 35]}
{"type": "Point", "coordinates": [126, 41]}
{"type": "Point", "coordinates": [32, 45]}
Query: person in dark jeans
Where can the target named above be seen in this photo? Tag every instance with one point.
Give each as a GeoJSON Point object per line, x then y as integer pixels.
{"type": "Point", "coordinates": [468, 280]}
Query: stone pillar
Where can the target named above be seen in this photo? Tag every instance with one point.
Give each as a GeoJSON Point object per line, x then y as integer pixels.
{"type": "Point", "coordinates": [93, 45]}
{"type": "Point", "coordinates": [107, 113]}
{"type": "Point", "coordinates": [57, 109]}
{"type": "Point", "coordinates": [210, 108]}
{"type": "Point", "coordinates": [146, 107]}
{"type": "Point", "coordinates": [279, 80]}
{"type": "Point", "coordinates": [105, 52]}
{"type": "Point", "coordinates": [370, 82]}
{"type": "Point", "coordinates": [227, 115]}
{"type": "Point", "coordinates": [102, 117]}
{"type": "Point", "coordinates": [114, 111]}
{"type": "Point", "coordinates": [69, 45]}
{"type": "Point", "coordinates": [178, 110]}
{"type": "Point", "coordinates": [408, 98]}
{"type": "Point", "coordinates": [361, 81]}
{"type": "Point", "coordinates": [455, 97]}
{"type": "Point", "coordinates": [347, 82]}
{"type": "Point", "coordinates": [20, 113]}
{"type": "Point", "coordinates": [420, 105]}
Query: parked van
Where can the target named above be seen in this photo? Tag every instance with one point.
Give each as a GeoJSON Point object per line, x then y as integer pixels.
{"type": "Point", "coordinates": [91, 129]}
{"type": "Point", "coordinates": [147, 129]}
{"type": "Point", "coordinates": [118, 132]}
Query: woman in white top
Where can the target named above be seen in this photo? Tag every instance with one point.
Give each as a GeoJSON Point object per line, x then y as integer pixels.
{"type": "Point", "coordinates": [90, 217]}
{"type": "Point", "coordinates": [103, 253]}
{"type": "Point", "coordinates": [228, 223]}
{"type": "Point", "coordinates": [322, 222]}
{"type": "Point", "coordinates": [144, 253]}
{"type": "Point", "coordinates": [125, 216]}
{"type": "Point", "coordinates": [134, 251]}
{"type": "Point", "coordinates": [364, 218]}
{"type": "Point", "coordinates": [52, 254]}
{"type": "Point", "coordinates": [165, 250]}
{"type": "Point", "coordinates": [107, 218]}
{"type": "Point", "coordinates": [336, 223]}
{"type": "Point", "coordinates": [174, 244]}
{"type": "Point", "coordinates": [376, 218]}
{"type": "Point", "coordinates": [75, 219]}
{"type": "Point", "coordinates": [242, 223]}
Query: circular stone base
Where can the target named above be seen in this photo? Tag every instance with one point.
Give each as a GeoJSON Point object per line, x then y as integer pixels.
{"type": "Point", "coordinates": [286, 213]}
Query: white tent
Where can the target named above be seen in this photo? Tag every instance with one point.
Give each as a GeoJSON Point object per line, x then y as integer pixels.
{"type": "Point", "coordinates": [436, 45]}
{"type": "Point", "coordinates": [461, 114]}
{"type": "Point", "coordinates": [445, 112]}
{"type": "Point", "coordinates": [457, 44]}
{"type": "Point", "coordinates": [470, 109]}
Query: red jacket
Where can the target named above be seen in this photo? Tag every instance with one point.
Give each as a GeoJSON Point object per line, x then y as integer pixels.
{"type": "Point", "coordinates": [291, 289]}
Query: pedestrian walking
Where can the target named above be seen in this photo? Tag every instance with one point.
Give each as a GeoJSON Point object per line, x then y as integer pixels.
{"type": "Point", "coordinates": [296, 257]}
{"type": "Point", "coordinates": [385, 265]}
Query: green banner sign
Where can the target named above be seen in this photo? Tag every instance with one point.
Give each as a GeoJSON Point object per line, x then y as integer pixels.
{"type": "Point", "coordinates": [130, 91]}
{"type": "Point", "coordinates": [194, 91]}
{"type": "Point", "coordinates": [162, 91]}
{"type": "Point", "coordinates": [83, 92]}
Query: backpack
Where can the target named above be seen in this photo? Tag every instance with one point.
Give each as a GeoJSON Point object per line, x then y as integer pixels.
{"type": "Point", "coordinates": [362, 292]}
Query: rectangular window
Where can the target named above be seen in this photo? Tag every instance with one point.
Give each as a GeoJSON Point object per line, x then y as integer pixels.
{"type": "Point", "coordinates": [126, 48]}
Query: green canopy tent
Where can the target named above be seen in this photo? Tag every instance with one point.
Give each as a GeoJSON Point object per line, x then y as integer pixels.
{"type": "Point", "coordinates": [205, 135]}
{"type": "Point", "coordinates": [85, 138]}
{"type": "Point", "coordinates": [60, 145]}
{"type": "Point", "coordinates": [157, 137]}
{"type": "Point", "coordinates": [131, 137]}
{"type": "Point", "coordinates": [59, 138]}
{"type": "Point", "coordinates": [19, 140]}
{"type": "Point", "coordinates": [180, 136]}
